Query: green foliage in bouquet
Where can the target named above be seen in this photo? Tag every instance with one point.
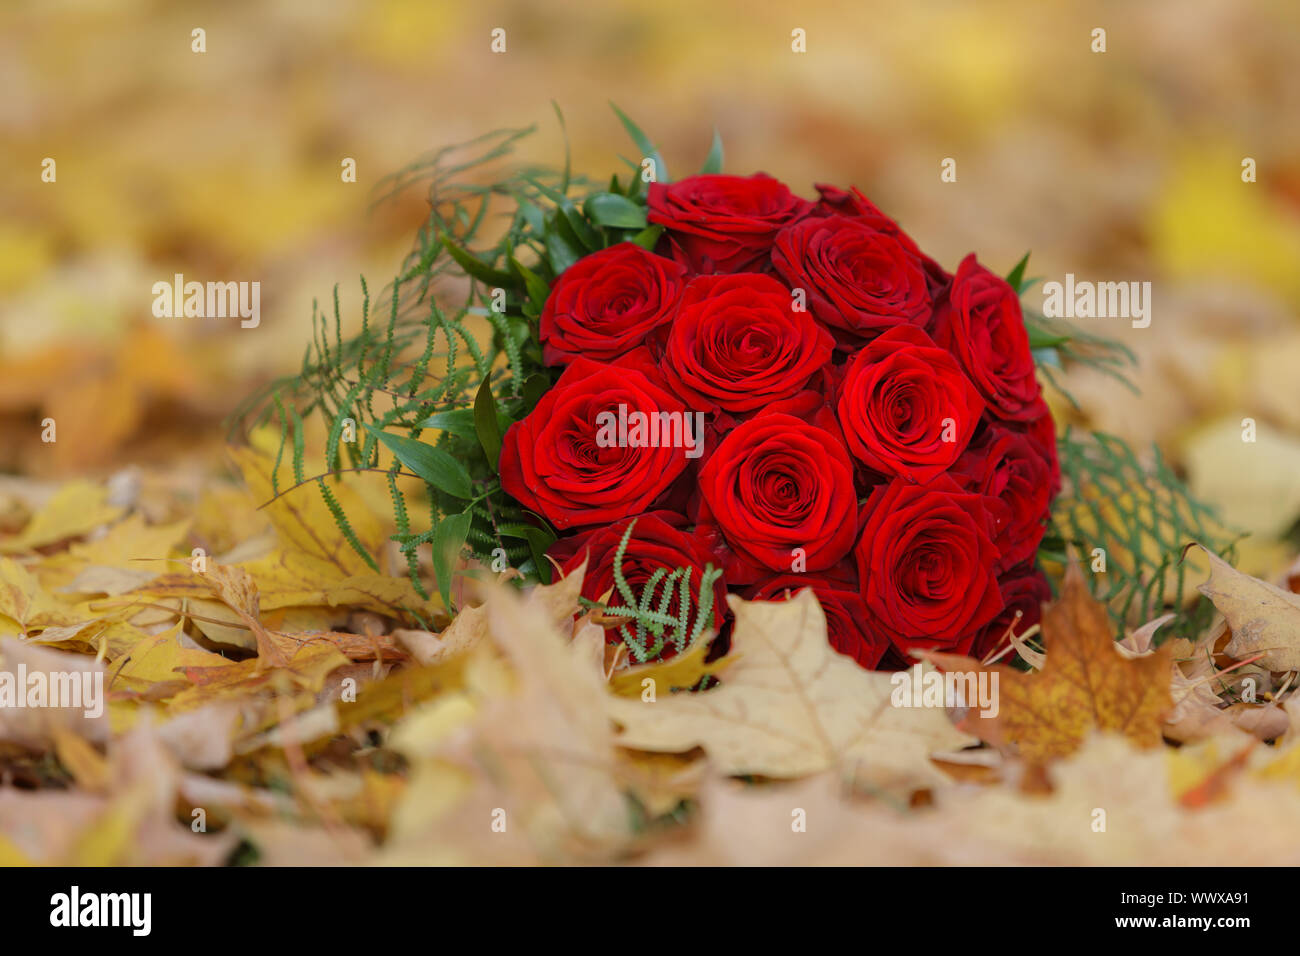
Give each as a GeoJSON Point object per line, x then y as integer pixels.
{"type": "Point", "coordinates": [1140, 515]}
{"type": "Point", "coordinates": [652, 627]}
{"type": "Point", "coordinates": [419, 366]}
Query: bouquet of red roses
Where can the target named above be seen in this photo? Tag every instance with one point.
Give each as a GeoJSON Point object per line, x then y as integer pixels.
{"type": "Point", "coordinates": [794, 393]}
{"type": "Point", "coordinates": [712, 386]}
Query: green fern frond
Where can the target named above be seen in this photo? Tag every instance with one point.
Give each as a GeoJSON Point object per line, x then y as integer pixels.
{"type": "Point", "coordinates": [1140, 516]}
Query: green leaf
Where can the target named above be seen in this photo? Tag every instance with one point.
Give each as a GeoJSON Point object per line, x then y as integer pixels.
{"type": "Point", "coordinates": [643, 143]}
{"type": "Point", "coordinates": [582, 233]}
{"type": "Point", "coordinates": [535, 387]}
{"type": "Point", "coordinates": [1042, 339]}
{"type": "Point", "coordinates": [1016, 276]}
{"type": "Point", "coordinates": [448, 539]}
{"type": "Point", "coordinates": [432, 464]}
{"type": "Point", "coordinates": [713, 162]}
{"type": "Point", "coordinates": [486, 424]}
{"type": "Point", "coordinates": [537, 288]}
{"type": "Point", "coordinates": [648, 236]}
{"type": "Point", "coordinates": [477, 267]}
{"type": "Point", "coordinates": [457, 421]}
{"type": "Point", "coordinates": [539, 540]}
{"type": "Point", "coordinates": [608, 209]}
{"type": "Point", "coordinates": [560, 251]}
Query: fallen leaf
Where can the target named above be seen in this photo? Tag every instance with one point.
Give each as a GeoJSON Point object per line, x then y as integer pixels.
{"type": "Point", "coordinates": [792, 706]}
{"type": "Point", "coordinates": [1265, 619]}
{"type": "Point", "coordinates": [1087, 683]}
{"type": "Point", "coordinates": [77, 508]}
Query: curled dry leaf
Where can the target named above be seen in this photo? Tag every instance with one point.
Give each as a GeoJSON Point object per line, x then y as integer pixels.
{"type": "Point", "coordinates": [1265, 619]}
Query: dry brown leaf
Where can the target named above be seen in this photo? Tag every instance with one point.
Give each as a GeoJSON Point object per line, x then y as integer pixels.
{"type": "Point", "coordinates": [236, 587]}
{"type": "Point", "coordinates": [1087, 683]}
{"type": "Point", "coordinates": [1265, 619]}
{"type": "Point", "coordinates": [791, 706]}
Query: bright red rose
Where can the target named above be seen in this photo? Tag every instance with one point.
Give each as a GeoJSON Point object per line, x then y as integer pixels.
{"type": "Point", "coordinates": [777, 484]}
{"type": "Point", "coordinates": [926, 565]}
{"type": "Point", "coordinates": [854, 205]}
{"type": "Point", "coordinates": [565, 461]}
{"type": "Point", "coordinates": [980, 322]}
{"type": "Point", "coordinates": [656, 542]}
{"type": "Point", "coordinates": [846, 614]}
{"type": "Point", "coordinates": [1024, 591]}
{"type": "Point", "coordinates": [1007, 465]}
{"type": "Point", "coordinates": [858, 280]}
{"type": "Point", "coordinates": [607, 303]}
{"type": "Point", "coordinates": [723, 223]}
{"type": "Point", "coordinates": [906, 407]}
{"type": "Point", "coordinates": [736, 344]}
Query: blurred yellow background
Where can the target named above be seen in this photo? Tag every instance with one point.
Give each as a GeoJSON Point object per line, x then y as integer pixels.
{"type": "Point", "coordinates": [225, 165]}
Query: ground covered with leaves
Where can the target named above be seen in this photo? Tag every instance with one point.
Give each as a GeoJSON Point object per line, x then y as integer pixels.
{"type": "Point", "coordinates": [273, 699]}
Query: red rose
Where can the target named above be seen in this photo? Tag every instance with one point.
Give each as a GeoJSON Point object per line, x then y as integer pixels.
{"type": "Point", "coordinates": [565, 460]}
{"type": "Point", "coordinates": [980, 323]}
{"type": "Point", "coordinates": [777, 484]}
{"type": "Point", "coordinates": [1042, 432]}
{"type": "Point", "coordinates": [926, 565]}
{"type": "Point", "coordinates": [1006, 465]}
{"type": "Point", "coordinates": [736, 343]}
{"type": "Point", "coordinates": [723, 223]}
{"type": "Point", "coordinates": [859, 280]}
{"type": "Point", "coordinates": [1024, 590]}
{"type": "Point", "coordinates": [854, 205]}
{"type": "Point", "coordinates": [656, 542]}
{"type": "Point", "coordinates": [906, 407]}
{"type": "Point", "coordinates": [607, 303]}
{"type": "Point", "coordinates": [846, 614]}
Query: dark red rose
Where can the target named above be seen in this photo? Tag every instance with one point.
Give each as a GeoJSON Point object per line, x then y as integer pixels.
{"type": "Point", "coordinates": [1008, 466]}
{"type": "Point", "coordinates": [846, 614]}
{"type": "Point", "coordinates": [858, 280]}
{"type": "Point", "coordinates": [723, 223]}
{"type": "Point", "coordinates": [1024, 590]}
{"type": "Point", "coordinates": [854, 205]}
{"type": "Point", "coordinates": [736, 344]}
{"type": "Point", "coordinates": [657, 542]}
{"type": "Point", "coordinates": [980, 322]}
{"type": "Point", "coordinates": [565, 460]}
{"type": "Point", "coordinates": [607, 303]}
{"type": "Point", "coordinates": [926, 565]}
{"type": "Point", "coordinates": [906, 407]}
{"type": "Point", "coordinates": [774, 485]}
{"type": "Point", "coordinates": [1042, 432]}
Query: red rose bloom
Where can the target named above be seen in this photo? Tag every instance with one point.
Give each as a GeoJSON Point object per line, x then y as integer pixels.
{"type": "Point", "coordinates": [846, 614]}
{"type": "Point", "coordinates": [736, 343]}
{"type": "Point", "coordinates": [656, 542]}
{"type": "Point", "coordinates": [723, 223]}
{"type": "Point", "coordinates": [854, 205]}
{"type": "Point", "coordinates": [556, 463]}
{"type": "Point", "coordinates": [1042, 432]}
{"type": "Point", "coordinates": [926, 565]}
{"type": "Point", "coordinates": [859, 280]}
{"type": "Point", "coordinates": [775, 484]}
{"type": "Point", "coordinates": [607, 303]}
{"type": "Point", "coordinates": [906, 407]}
{"type": "Point", "coordinates": [980, 323]}
{"type": "Point", "coordinates": [1024, 590]}
{"type": "Point", "coordinates": [1006, 465]}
